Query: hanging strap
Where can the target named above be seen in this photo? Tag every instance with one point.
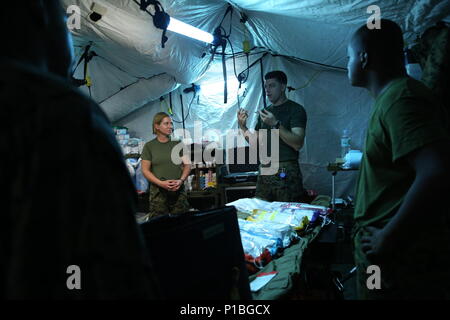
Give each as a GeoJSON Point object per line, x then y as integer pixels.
{"type": "Point", "coordinates": [169, 109]}
{"type": "Point", "coordinates": [262, 83]}
{"type": "Point", "coordinates": [81, 82]}
{"type": "Point", "coordinates": [161, 19]}
{"type": "Point", "coordinates": [224, 67]}
{"type": "Point", "coordinates": [182, 115]}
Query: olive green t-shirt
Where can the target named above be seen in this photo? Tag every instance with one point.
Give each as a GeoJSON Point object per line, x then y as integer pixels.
{"type": "Point", "coordinates": [291, 115]}
{"type": "Point", "coordinates": [405, 118]}
{"type": "Point", "coordinates": [159, 154]}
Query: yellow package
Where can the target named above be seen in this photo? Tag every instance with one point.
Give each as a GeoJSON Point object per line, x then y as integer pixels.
{"type": "Point", "coordinates": [284, 217]}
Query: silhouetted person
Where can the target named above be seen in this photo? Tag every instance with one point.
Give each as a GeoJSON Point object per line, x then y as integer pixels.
{"type": "Point", "coordinates": [67, 197]}
{"type": "Point", "coordinates": [400, 213]}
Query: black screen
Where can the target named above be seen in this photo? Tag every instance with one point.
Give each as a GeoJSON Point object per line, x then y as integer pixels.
{"type": "Point", "coordinates": [240, 160]}
{"type": "Point", "coordinates": [193, 254]}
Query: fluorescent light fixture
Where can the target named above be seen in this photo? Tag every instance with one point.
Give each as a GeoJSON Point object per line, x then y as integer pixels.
{"type": "Point", "coordinates": [189, 31]}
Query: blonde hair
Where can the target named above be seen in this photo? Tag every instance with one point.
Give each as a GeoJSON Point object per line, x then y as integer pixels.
{"type": "Point", "coordinates": [158, 118]}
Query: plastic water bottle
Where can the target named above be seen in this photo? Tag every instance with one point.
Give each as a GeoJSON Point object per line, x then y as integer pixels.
{"type": "Point", "coordinates": [413, 68]}
{"type": "Point", "coordinates": [345, 143]}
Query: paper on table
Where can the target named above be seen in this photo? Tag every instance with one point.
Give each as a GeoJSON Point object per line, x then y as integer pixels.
{"type": "Point", "coordinates": [261, 280]}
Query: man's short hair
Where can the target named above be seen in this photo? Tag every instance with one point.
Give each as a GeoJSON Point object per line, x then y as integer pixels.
{"type": "Point", "coordinates": [385, 43]}
{"type": "Point", "coordinates": [279, 75]}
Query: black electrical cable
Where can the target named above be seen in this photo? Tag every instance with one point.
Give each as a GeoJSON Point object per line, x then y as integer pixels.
{"type": "Point", "coordinates": [189, 110]}
{"type": "Point", "coordinates": [128, 85]}
{"type": "Point", "coordinates": [254, 62]}
{"type": "Point", "coordinates": [221, 40]}
{"type": "Point", "coordinates": [190, 104]}
{"type": "Point", "coordinates": [119, 68]}
{"type": "Point", "coordinates": [248, 64]}
{"type": "Point", "coordinates": [309, 61]}
{"type": "Point", "coordinates": [146, 5]}
{"type": "Point", "coordinates": [241, 54]}
{"type": "Point", "coordinates": [234, 59]}
{"type": "Point", "coordinates": [231, 20]}
{"type": "Point", "coordinates": [170, 102]}
{"type": "Point", "coordinates": [223, 43]}
{"type": "Point", "coordinates": [224, 68]}
{"type": "Point", "coordinates": [82, 57]}
{"type": "Point", "coordinates": [234, 63]}
{"type": "Point", "coordinates": [293, 58]}
{"type": "Point", "coordinates": [182, 113]}
{"type": "Point", "coordinates": [161, 19]}
{"type": "Point", "coordinates": [229, 9]}
{"type": "Point", "coordinates": [121, 88]}
{"type": "Point", "coordinates": [86, 57]}
{"type": "Point", "coordinates": [262, 82]}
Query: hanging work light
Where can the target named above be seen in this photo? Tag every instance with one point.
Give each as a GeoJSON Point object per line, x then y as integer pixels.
{"type": "Point", "coordinates": [189, 31]}
{"type": "Point", "coordinates": [163, 21]}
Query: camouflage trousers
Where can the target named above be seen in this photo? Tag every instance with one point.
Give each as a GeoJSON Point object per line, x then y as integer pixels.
{"type": "Point", "coordinates": [420, 270]}
{"type": "Point", "coordinates": [165, 202]}
{"type": "Point", "coordinates": [285, 186]}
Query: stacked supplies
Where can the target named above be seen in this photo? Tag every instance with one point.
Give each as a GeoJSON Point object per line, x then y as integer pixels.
{"type": "Point", "coordinates": [271, 226]}
{"type": "Point", "coordinates": [265, 235]}
{"type": "Point", "coordinates": [128, 144]}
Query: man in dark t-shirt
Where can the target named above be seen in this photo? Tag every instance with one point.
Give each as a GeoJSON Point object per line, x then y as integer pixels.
{"type": "Point", "coordinates": [287, 120]}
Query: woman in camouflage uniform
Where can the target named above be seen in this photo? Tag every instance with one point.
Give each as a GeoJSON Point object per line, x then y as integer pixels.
{"type": "Point", "coordinates": [167, 194]}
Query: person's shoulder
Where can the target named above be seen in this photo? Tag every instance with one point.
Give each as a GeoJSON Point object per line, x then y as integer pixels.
{"type": "Point", "coordinates": [416, 88]}
{"type": "Point", "coordinates": [406, 91]}
{"type": "Point", "coordinates": [175, 142]}
{"type": "Point", "coordinates": [295, 106]}
{"type": "Point", "coordinates": [406, 87]}
{"type": "Point", "coordinates": [151, 143]}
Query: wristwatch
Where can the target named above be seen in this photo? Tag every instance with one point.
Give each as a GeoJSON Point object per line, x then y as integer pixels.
{"type": "Point", "coordinates": [276, 125]}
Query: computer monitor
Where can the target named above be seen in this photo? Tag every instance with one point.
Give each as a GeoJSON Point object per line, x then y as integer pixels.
{"type": "Point", "coordinates": [239, 160]}
{"type": "Point", "coordinates": [193, 254]}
